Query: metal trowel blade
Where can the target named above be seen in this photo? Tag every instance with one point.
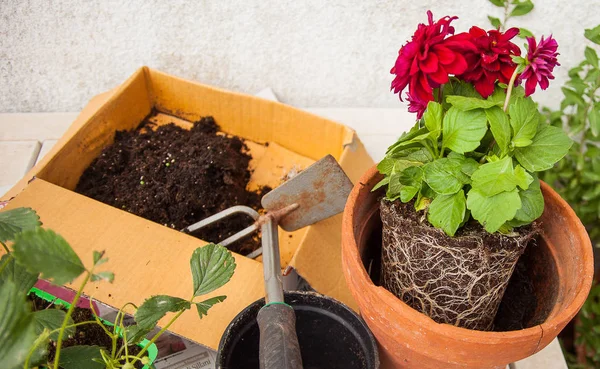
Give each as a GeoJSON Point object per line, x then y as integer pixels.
{"type": "Point", "coordinates": [320, 191]}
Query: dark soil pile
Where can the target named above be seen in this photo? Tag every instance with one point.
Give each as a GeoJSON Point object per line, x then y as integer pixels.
{"type": "Point", "coordinates": [459, 280]}
{"type": "Point", "coordinates": [88, 334]}
{"type": "Point", "coordinates": [176, 177]}
{"type": "Point", "coordinates": [517, 309]}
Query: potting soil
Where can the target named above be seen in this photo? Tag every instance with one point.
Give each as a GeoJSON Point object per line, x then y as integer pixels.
{"type": "Point", "coordinates": [176, 177]}
{"type": "Point", "coordinates": [87, 334]}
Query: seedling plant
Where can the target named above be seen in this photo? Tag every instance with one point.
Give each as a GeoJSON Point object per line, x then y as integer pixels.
{"type": "Point", "coordinates": [32, 252]}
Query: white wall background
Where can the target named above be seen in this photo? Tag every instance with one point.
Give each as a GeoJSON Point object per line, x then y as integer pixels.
{"type": "Point", "coordinates": [55, 55]}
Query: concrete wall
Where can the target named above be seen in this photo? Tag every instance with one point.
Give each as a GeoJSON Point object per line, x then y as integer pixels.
{"type": "Point", "coordinates": [55, 55]}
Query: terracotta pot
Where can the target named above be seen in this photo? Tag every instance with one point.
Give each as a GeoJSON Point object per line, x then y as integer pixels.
{"type": "Point", "coordinates": [561, 269]}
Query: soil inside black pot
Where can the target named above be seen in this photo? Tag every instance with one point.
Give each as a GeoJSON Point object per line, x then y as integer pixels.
{"type": "Point", "coordinates": [176, 177]}
{"type": "Point", "coordinates": [87, 334]}
{"type": "Point", "coordinates": [424, 273]}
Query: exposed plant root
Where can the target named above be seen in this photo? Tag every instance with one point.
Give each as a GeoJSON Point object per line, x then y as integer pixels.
{"type": "Point", "coordinates": [459, 280]}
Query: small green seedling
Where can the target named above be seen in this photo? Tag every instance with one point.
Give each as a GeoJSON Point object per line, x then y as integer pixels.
{"type": "Point", "coordinates": [37, 252]}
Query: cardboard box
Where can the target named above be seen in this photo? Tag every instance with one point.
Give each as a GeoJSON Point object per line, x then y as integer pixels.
{"type": "Point", "coordinates": [150, 259]}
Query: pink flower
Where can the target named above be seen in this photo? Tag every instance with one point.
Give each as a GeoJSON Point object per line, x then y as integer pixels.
{"type": "Point", "coordinates": [416, 105]}
{"type": "Point", "coordinates": [492, 60]}
{"type": "Point", "coordinates": [541, 60]}
{"type": "Point", "coordinates": [425, 62]}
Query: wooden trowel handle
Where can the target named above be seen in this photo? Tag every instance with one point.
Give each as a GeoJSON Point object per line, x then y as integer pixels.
{"type": "Point", "coordinates": [279, 348]}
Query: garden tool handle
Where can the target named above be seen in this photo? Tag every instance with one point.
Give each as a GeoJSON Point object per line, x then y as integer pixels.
{"type": "Point", "coordinates": [279, 348]}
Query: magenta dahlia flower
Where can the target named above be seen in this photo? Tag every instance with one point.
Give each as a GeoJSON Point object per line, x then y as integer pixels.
{"type": "Point", "coordinates": [539, 64]}
{"type": "Point", "coordinates": [416, 105]}
{"type": "Point", "coordinates": [425, 62]}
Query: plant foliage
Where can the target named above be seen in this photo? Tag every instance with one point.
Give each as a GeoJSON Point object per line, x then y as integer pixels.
{"type": "Point", "coordinates": [577, 177]}
{"type": "Point", "coordinates": [24, 335]}
{"type": "Point", "coordinates": [467, 157]}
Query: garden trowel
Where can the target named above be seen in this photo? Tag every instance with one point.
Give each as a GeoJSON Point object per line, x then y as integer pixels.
{"type": "Point", "coordinates": [318, 192]}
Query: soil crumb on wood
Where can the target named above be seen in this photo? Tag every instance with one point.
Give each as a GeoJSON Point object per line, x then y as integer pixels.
{"type": "Point", "coordinates": [176, 177]}
{"type": "Point", "coordinates": [88, 334]}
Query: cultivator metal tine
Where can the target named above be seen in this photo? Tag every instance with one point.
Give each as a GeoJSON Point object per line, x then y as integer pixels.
{"type": "Point", "coordinates": [220, 216]}
{"type": "Point", "coordinates": [225, 214]}
{"type": "Point", "coordinates": [238, 236]}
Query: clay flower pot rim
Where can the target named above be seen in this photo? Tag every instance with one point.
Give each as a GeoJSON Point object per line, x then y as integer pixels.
{"type": "Point", "coordinates": [400, 307]}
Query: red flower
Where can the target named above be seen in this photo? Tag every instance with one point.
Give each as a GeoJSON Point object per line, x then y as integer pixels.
{"type": "Point", "coordinates": [425, 62]}
{"type": "Point", "coordinates": [491, 61]}
{"type": "Point", "coordinates": [541, 60]}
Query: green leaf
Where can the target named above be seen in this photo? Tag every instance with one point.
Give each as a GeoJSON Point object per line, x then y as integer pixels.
{"type": "Point", "coordinates": [46, 252]}
{"type": "Point", "coordinates": [500, 126]}
{"type": "Point", "coordinates": [524, 119]}
{"type": "Point", "coordinates": [410, 179]}
{"type": "Point", "coordinates": [470, 103]}
{"type": "Point", "coordinates": [468, 167]}
{"type": "Point", "coordinates": [17, 330]}
{"type": "Point", "coordinates": [212, 267]}
{"type": "Point", "coordinates": [16, 273]}
{"type": "Point", "coordinates": [52, 319]}
{"type": "Point", "coordinates": [498, 96]}
{"type": "Point", "coordinates": [394, 185]}
{"type": "Point", "coordinates": [572, 97]}
{"type": "Point", "coordinates": [203, 306]}
{"type": "Point", "coordinates": [77, 357]}
{"type": "Point", "coordinates": [493, 211]}
{"type": "Point", "coordinates": [591, 76]}
{"type": "Point", "coordinates": [156, 307]}
{"type": "Point", "coordinates": [433, 118]}
{"type": "Point", "coordinates": [495, 22]}
{"type": "Point", "coordinates": [98, 260]}
{"type": "Point", "coordinates": [103, 276]}
{"type": "Point", "coordinates": [532, 204]}
{"type": "Point", "coordinates": [593, 34]}
{"type": "Point", "coordinates": [463, 130]}
{"type": "Point", "coordinates": [549, 145]}
{"type": "Point", "coordinates": [594, 118]}
{"type": "Point", "coordinates": [386, 165]}
{"type": "Point", "coordinates": [499, 3]}
{"type": "Point", "coordinates": [591, 56]}
{"type": "Point", "coordinates": [384, 182]}
{"type": "Point", "coordinates": [522, 8]}
{"type": "Point", "coordinates": [40, 354]}
{"type": "Point", "coordinates": [17, 220]}
{"type": "Point", "coordinates": [495, 177]}
{"type": "Point", "coordinates": [447, 212]}
{"type": "Point", "coordinates": [136, 334]}
{"type": "Point", "coordinates": [523, 179]}
{"type": "Point", "coordinates": [415, 131]}
{"type": "Point", "coordinates": [444, 176]}
{"type": "Point", "coordinates": [97, 256]}
{"type": "Point", "coordinates": [524, 33]}
{"type": "Point", "coordinates": [424, 197]}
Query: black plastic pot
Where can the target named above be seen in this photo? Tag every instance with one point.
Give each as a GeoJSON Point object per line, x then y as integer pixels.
{"type": "Point", "coordinates": [331, 336]}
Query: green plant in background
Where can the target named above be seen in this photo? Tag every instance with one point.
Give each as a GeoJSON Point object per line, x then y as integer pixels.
{"type": "Point", "coordinates": [37, 252]}
{"type": "Point", "coordinates": [512, 8]}
{"type": "Point", "coordinates": [577, 177]}
{"type": "Point", "coordinates": [588, 331]}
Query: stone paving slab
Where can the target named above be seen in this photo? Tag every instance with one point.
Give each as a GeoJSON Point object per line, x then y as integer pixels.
{"type": "Point", "coordinates": [16, 158]}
